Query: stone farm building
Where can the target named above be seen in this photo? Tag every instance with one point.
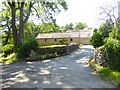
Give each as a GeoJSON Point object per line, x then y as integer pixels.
{"type": "Point", "coordinates": [79, 37]}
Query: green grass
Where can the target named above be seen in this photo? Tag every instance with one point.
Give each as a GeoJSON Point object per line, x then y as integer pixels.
{"type": "Point", "coordinates": [9, 59]}
{"type": "Point", "coordinates": [104, 72]}
{"type": "Point", "coordinates": [107, 74]}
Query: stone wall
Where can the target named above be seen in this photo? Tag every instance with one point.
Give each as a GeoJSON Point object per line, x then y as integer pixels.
{"type": "Point", "coordinates": [73, 47]}
{"type": "Point", "coordinates": [59, 50]}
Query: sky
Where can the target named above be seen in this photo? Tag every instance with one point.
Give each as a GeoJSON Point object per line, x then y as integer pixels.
{"type": "Point", "coordinates": [86, 11]}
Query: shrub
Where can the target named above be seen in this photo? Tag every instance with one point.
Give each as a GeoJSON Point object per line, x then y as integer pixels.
{"type": "Point", "coordinates": [104, 72]}
{"type": "Point", "coordinates": [33, 44]}
{"type": "Point", "coordinates": [112, 54]}
{"type": "Point", "coordinates": [41, 57]}
{"type": "Point", "coordinates": [25, 50]}
{"type": "Point", "coordinates": [48, 56]}
{"type": "Point", "coordinates": [97, 40]}
{"type": "Point", "coordinates": [52, 50]}
{"type": "Point", "coordinates": [7, 49]}
{"type": "Point", "coordinates": [107, 74]}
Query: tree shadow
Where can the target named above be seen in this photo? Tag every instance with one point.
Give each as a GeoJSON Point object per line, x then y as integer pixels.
{"type": "Point", "coordinates": [63, 72]}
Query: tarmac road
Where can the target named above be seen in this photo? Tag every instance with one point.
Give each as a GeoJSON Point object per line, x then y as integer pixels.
{"type": "Point", "coordinates": [71, 71]}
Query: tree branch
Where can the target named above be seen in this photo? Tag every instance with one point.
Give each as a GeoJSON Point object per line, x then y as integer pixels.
{"type": "Point", "coordinates": [36, 12]}
{"type": "Point", "coordinates": [10, 4]}
{"type": "Point", "coordinates": [29, 9]}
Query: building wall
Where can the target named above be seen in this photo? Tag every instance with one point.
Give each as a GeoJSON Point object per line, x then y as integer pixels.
{"type": "Point", "coordinates": [85, 40]}
{"type": "Point", "coordinates": [52, 41]}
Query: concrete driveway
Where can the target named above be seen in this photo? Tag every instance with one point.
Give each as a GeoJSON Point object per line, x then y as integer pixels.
{"type": "Point", "coordinates": [71, 71]}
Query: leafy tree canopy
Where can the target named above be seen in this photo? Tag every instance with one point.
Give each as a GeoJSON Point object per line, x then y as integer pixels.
{"type": "Point", "coordinates": [15, 15]}
{"type": "Point", "coordinates": [69, 26]}
{"type": "Point", "coordinates": [80, 26]}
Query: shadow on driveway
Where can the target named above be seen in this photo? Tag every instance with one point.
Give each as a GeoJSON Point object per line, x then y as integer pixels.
{"type": "Point", "coordinates": [71, 71]}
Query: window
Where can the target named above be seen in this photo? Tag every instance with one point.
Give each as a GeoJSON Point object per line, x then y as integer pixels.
{"type": "Point", "coordinates": [45, 39]}
{"type": "Point", "coordinates": [55, 40]}
{"type": "Point", "coordinates": [71, 39]}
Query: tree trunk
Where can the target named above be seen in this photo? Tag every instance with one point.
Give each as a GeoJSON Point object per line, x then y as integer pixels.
{"type": "Point", "coordinates": [18, 35]}
{"type": "Point", "coordinates": [21, 28]}
{"type": "Point", "coordinates": [13, 25]}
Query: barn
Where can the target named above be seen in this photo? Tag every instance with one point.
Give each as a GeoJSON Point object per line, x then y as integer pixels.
{"type": "Point", "coordinates": [78, 37]}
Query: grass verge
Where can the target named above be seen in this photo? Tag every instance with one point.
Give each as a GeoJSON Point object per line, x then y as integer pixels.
{"type": "Point", "coordinates": [12, 59]}
{"type": "Point", "coordinates": [105, 73]}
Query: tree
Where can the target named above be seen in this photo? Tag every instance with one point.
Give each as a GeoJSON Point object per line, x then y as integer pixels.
{"type": "Point", "coordinates": [101, 35]}
{"type": "Point", "coordinates": [49, 28]}
{"type": "Point", "coordinates": [21, 11]}
{"type": "Point", "coordinates": [111, 50]}
{"type": "Point", "coordinates": [5, 25]}
{"type": "Point", "coordinates": [97, 39]}
{"type": "Point", "coordinates": [80, 26]}
{"type": "Point", "coordinates": [62, 29]}
{"type": "Point", "coordinates": [106, 28]}
{"type": "Point", "coordinates": [115, 34]}
{"type": "Point", "coordinates": [108, 12]}
{"type": "Point", "coordinates": [31, 31]}
{"type": "Point", "coordinates": [69, 26]}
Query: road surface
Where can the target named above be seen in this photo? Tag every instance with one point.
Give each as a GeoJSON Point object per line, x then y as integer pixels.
{"type": "Point", "coordinates": [71, 71]}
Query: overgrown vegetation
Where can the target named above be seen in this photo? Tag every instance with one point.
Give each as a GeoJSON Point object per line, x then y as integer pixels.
{"type": "Point", "coordinates": [25, 50]}
{"type": "Point", "coordinates": [7, 50]}
{"type": "Point", "coordinates": [108, 52]}
{"type": "Point", "coordinates": [107, 40]}
{"type": "Point", "coordinates": [111, 46]}
{"type": "Point", "coordinates": [52, 49]}
{"type": "Point", "coordinates": [105, 72]}
{"type": "Point", "coordinates": [9, 59]}
{"type": "Point", "coordinates": [18, 32]}
{"type": "Point", "coordinates": [97, 39]}
{"type": "Point", "coordinates": [111, 54]}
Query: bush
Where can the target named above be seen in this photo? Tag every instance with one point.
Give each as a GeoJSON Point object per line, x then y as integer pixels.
{"type": "Point", "coordinates": [7, 49]}
{"type": "Point", "coordinates": [112, 54]}
{"type": "Point", "coordinates": [41, 57]}
{"type": "Point", "coordinates": [52, 50]}
{"type": "Point", "coordinates": [97, 40]}
{"type": "Point", "coordinates": [104, 72]}
{"type": "Point", "coordinates": [107, 74]}
{"type": "Point", "coordinates": [33, 44]}
{"type": "Point", "coordinates": [48, 56]}
{"type": "Point", "coordinates": [25, 50]}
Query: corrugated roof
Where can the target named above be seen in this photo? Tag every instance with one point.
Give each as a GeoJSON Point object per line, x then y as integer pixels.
{"type": "Point", "coordinates": [64, 35]}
